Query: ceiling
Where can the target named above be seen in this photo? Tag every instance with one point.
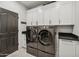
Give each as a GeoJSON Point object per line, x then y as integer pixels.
{"type": "Point", "coordinates": [33, 4]}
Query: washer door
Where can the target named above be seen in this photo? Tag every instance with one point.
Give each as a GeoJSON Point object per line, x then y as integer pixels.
{"type": "Point", "coordinates": [45, 37]}
{"type": "Point", "coordinates": [31, 35]}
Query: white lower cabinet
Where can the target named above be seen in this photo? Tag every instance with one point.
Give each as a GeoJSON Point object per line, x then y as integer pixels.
{"type": "Point", "coordinates": [77, 49]}
{"type": "Point", "coordinates": [66, 48]}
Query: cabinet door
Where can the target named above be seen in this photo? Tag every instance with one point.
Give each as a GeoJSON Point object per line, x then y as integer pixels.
{"type": "Point", "coordinates": [34, 17]}
{"type": "Point", "coordinates": [54, 16]}
{"type": "Point", "coordinates": [66, 14]}
{"type": "Point", "coordinates": [41, 17]}
{"type": "Point", "coordinates": [46, 16]}
{"type": "Point", "coordinates": [77, 49]}
{"type": "Point", "coordinates": [29, 19]}
{"type": "Point", "coordinates": [51, 14]}
{"type": "Point", "coordinates": [66, 48]}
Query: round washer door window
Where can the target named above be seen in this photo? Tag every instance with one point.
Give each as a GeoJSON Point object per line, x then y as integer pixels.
{"type": "Point", "coordinates": [45, 37]}
{"type": "Point", "coordinates": [31, 35]}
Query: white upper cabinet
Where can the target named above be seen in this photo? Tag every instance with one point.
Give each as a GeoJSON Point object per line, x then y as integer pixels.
{"type": "Point", "coordinates": [77, 48]}
{"type": "Point", "coordinates": [29, 18]}
{"type": "Point", "coordinates": [66, 14]}
{"type": "Point", "coordinates": [37, 16]}
{"type": "Point", "coordinates": [34, 17]}
{"type": "Point", "coordinates": [51, 14]}
{"type": "Point", "coordinates": [46, 17]}
{"type": "Point", "coordinates": [58, 13]}
{"type": "Point", "coordinates": [40, 15]}
{"type": "Point", "coordinates": [54, 16]}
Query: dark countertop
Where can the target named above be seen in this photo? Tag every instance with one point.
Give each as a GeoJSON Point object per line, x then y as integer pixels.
{"type": "Point", "coordinates": [68, 36]}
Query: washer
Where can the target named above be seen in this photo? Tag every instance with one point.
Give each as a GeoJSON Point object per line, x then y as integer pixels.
{"type": "Point", "coordinates": [31, 40]}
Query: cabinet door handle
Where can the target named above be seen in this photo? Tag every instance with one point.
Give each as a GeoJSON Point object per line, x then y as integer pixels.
{"type": "Point", "coordinates": [36, 22]}
{"type": "Point", "coordinates": [59, 21]}
{"type": "Point", "coordinates": [31, 22]}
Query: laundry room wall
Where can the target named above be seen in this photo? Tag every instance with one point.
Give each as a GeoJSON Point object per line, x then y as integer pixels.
{"type": "Point", "coordinates": [21, 10]}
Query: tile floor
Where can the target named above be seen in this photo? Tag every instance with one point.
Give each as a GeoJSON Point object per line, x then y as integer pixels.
{"type": "Point", "coordinates": [20, 53]}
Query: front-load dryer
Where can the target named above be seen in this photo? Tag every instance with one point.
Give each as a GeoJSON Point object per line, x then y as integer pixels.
{"type": "Point", "coordinates": [46, 41]}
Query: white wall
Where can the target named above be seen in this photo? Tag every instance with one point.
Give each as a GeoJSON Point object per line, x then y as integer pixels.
{"type": "Point", "coordinates": [21, 10]}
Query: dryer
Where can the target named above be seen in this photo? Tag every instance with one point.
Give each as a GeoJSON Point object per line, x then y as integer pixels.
{"type": "Point", "coordinates": [46, 41]}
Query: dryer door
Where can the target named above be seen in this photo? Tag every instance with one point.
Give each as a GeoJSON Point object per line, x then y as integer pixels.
{"type": "Point", "coordinates": [45, 37]}
{"type": "Point", "coordinates": [46, 43]}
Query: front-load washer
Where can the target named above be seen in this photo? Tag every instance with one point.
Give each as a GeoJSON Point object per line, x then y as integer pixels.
{"type": "Point", "coordinates": [46, 41]}
{"type": "Point", "coordinates": [31, 40]}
